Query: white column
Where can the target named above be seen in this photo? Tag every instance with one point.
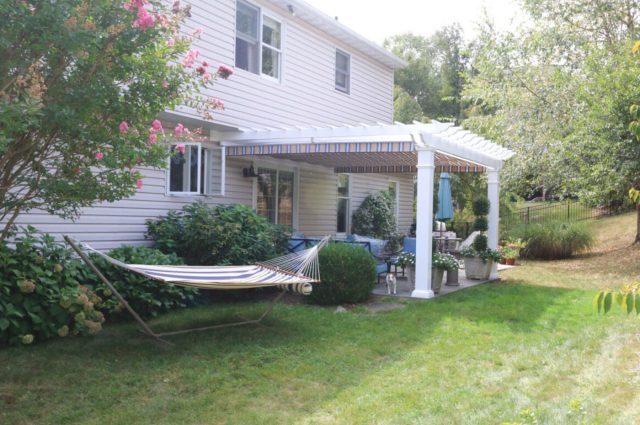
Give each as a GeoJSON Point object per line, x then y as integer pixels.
{"type": "Point", "coordinates": [424, 223]}
{"type": "Point", "coordinates": [493, 193]}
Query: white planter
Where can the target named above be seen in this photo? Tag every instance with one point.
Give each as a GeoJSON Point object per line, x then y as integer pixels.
{"type": "Point", "coordinates": [437, 276]}
{"type": "Point", "coordinates": [475, 268]}
{"type": "Point", "coordinates": [436, 279]}
{"type": "Point", "coordinates": [411, 277]}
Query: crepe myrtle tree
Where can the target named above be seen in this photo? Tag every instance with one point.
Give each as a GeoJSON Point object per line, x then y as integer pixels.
{"type": "Point", "coordinates": [81, 85]}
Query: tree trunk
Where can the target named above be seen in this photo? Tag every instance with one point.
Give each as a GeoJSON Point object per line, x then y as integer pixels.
{"type": "Point", "coordinates": [637, 240]}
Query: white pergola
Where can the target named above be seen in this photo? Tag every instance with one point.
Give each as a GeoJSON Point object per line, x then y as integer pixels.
{"type": "Point", "coordinates": [387, 148]}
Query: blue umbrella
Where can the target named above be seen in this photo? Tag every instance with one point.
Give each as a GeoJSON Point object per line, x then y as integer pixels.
{"type": "Point", "coordinates": [445, 204]}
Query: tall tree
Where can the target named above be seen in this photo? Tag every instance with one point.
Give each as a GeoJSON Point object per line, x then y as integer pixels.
{"type": "Point", "coordinates": [433, 77]}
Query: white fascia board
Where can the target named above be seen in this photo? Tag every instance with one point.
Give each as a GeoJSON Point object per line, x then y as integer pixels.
{"type": "Point", "coordinates": [440, 144]}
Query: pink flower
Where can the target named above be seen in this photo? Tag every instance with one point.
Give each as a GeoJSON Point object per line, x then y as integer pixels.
{"type": "Point", "coordinates": [206, 77]}
{"type": "Point", "coordinates": [192, 54]}
{"type": "Point", "coordinates": [139, 183]}
{"type": "Point", "coordinates": [99, 156]}
{"type": "Point", "coordinates": [171, 42]}
{"type": "Point", "coordinates": [124, 127]}
{"type": "Point", "coordinates": [156, 125]}
{"type": "Point", "coordinates": [198, 32]}
{"type": "Point", "coordinates": [205, 64]}
{"type": "Point", "coordinates": [165, 84]}
{"type": "Point", "coordinates": [153, 138]}
{"type": "Point", "coordinates": [181, 148]}
{"type": "Point", "coordinates": [225, 71]}
{"type": "Point", "coordinates": [144, 20]}
{"type": "Point", "coordinates": [179, 130]}
{"type": "Point", "coordinates": [217, 103]}
{"type": "Point", "coordinates": [201, 70]}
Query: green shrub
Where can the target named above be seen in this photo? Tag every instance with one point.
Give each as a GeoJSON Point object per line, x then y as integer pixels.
{"type": "Point", "coordinates": [41, 295]}
{"type": "Point", "coordinates": [375, 217]}
{"type": "Point", "coordinates": [147, 297]}
{"type": "Point", "coordinates": [556, 240]}
{"type": "Point", "coordinates": [481, 224]}
{"type": "Point", "coordinates": [221, 235]}
{"type": "Point", "coordinates": [480, 243]}
{"type": "Point", "coordinates": [481, 206]}
{"type": "Point", "coordinates": [348, 275]}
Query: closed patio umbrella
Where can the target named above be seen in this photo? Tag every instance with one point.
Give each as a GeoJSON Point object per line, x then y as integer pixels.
{"type": "Point", "coordinates": [445, 204]}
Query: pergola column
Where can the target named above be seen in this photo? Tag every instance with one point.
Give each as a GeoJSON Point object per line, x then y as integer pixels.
{"type": "Point", "coordinates": [424, 223]}
{"type": "Point", "coordinates": [493, 193]}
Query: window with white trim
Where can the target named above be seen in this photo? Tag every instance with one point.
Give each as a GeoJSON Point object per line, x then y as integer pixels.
{"type": "Point", "coordinates": [275, 195]}
{"type": "Point", "coordinates": [344, 203]}
{"type": "Point", "coordinates": [343, 71]}
{"type": "Point", "coordinates": [258, 41]}
{"type": "Point", "coordinates": [195, 170]}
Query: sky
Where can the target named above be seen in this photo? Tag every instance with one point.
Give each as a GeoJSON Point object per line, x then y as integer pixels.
{"type": "Point", "coordinates": [377, 20]}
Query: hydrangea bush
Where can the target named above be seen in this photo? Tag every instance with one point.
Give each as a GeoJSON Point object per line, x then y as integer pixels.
{"type": "Point", "coordinates": [81, 85]}
{"type": "Point", "coordinates": [41, 292]}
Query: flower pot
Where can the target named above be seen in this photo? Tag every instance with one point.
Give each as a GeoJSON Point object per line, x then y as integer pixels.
{"type": "Point", "coordinates": [436, 279]}
{"type": "Point", "coordinates": [475, 268]}
{"type": "Point", "coordinates": [509, 261]}
{"type": "Point", "coordinates": [411, 277]}
{"type": "Point", "coordinates": [452, 278]}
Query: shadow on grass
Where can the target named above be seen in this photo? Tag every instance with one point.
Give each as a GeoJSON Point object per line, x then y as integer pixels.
{"type": "Point", "coordinates": [247, 373]}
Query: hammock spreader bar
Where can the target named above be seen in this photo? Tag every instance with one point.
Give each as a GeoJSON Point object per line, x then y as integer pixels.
{"type": "Point", "coordinates": [293, 272]}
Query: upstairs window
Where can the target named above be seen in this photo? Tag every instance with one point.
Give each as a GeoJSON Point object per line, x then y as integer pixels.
{"type": "Point", "coordinates": [258, 41]}
{"type": "Point", "coordinates": [343, 71]}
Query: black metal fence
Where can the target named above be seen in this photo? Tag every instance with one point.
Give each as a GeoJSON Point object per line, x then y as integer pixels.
{"type": "Point", "coordinates": [568, 211]}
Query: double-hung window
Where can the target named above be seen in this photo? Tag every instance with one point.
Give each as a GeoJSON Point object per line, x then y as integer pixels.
{"type": "Point", "coordinates": [258, 41]}
{"type": "Point", "coordinates": [275, 195]}
{"type": "Point", "coordinates": [195, 170]}
{"type": "Point", "coordinates": [343, 71]}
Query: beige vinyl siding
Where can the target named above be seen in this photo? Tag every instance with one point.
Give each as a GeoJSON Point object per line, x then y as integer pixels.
{"type": "Point", "coordinates": [108, 225]}
{"type": "Point", "coordinates": [318, 202]}
{"type": "Point", "coordinates": [306, 93]}
{"type": "Point", "coordinates": [362, 185]}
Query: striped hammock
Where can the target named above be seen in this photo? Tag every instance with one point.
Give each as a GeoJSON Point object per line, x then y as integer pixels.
{"type": "Point", "coordinates": [294, 272]}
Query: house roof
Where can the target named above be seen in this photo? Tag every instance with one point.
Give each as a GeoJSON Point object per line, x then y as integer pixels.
{"type": "Point", "coordinates": [384, 148]}
{"type": "Point", "coordinates": [336, 29]}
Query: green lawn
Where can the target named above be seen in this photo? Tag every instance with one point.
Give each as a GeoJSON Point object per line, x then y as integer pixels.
{"type": "Point", "coordinates": [479, 356]}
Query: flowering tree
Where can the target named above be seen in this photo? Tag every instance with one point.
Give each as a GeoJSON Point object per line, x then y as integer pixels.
{"type": "Point", "coordinates": [81, 85]}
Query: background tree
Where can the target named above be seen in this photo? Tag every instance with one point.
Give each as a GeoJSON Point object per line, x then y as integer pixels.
{"type": "Point", "coordinates": [557, 92]}
{"type": "Point", "coordinates": [433, 77]}
{"type": "Point", "coordinates": [81, 83]}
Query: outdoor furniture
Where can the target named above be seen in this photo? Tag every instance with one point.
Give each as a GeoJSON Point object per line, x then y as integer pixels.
{"type": "Point", "coordinates": [293, 272]}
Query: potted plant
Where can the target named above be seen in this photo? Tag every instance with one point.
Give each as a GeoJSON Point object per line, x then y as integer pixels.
{"type": "Point", "coordinates": [479, 258]}
{"type": "Point", "coordinates": [441, 262]}
{"type": "Point", "coordinates": [407, 260]}
{"type": "Point", "coordinates": [509, 255]}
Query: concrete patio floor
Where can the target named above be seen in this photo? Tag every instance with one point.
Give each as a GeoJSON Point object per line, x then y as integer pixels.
{"type": "Point", "coordinates": [404, 291]}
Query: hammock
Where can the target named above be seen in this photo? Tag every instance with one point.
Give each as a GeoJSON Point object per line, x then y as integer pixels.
{"type": "Point", "coordinates": [293, 272]}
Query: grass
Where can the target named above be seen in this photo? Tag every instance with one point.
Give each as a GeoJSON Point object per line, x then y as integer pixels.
{"type": "Point", "coordinates": [478, 356]}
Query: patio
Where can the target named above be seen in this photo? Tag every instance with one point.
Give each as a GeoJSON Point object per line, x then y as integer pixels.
{"type": "Point", "coordinates": [404, 290]}
{"type": "Point", "coordinates": [421, 149]}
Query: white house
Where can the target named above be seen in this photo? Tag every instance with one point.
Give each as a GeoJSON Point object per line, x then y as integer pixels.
{"type": "Point", "coordinates": [309, 108]}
